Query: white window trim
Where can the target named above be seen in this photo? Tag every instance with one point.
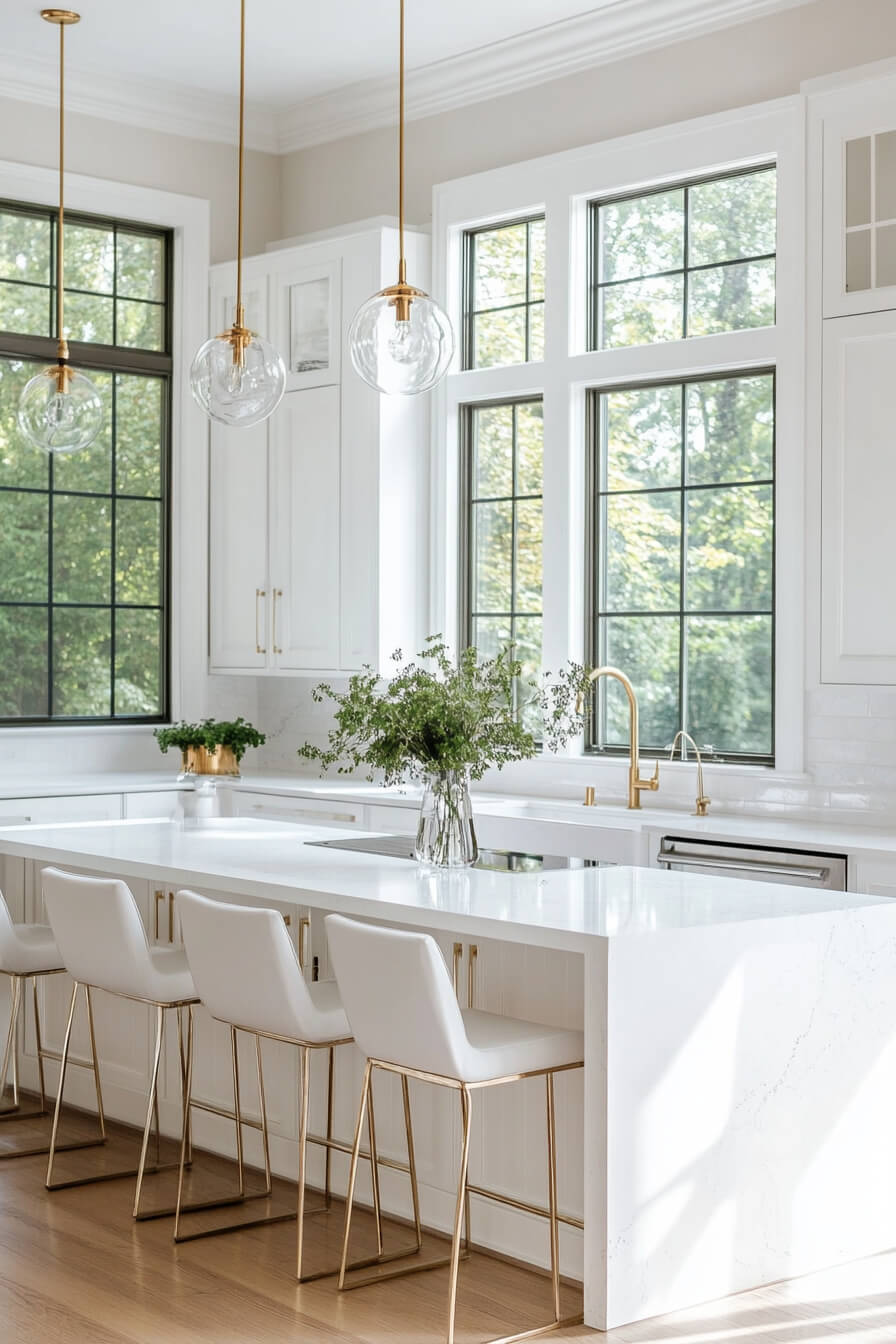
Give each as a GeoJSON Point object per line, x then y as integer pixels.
{"type": "Point", "coordinates": [188, 216]}
{"type": "Point", "coordinates": [561, 186]}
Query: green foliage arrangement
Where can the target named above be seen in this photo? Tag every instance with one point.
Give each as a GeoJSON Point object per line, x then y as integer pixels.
{"type": "Point", "coordinates": [211, 733]}
{"type": "Point", "coordinates": [442, 715]}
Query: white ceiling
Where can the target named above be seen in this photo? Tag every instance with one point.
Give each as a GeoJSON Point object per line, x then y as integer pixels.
{"type": "Point", "coordinates": [317, 69]}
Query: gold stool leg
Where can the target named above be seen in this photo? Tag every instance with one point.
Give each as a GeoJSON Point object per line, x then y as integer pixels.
{"type": "Point", "coordinates": [151, 1108]}
{"type": "Point", "coordinates": [185, 1140]}
{"type": "Point", "coordinates": [466, 1111]}
{"type": "Point", "coordinates": [62, 1071]}
{"type": "Point", "coordinates": [263, 1111]}
{"type": "Point", "coordinates": [236, 1109]}
{"type": "Point", "coordinates": [552, 1195]}
{"type": "Point", "coordinates": [39, 1046]}
{"type": "Point", "coordinates": [412, 1162]}
{"type": "Point", "coordinates": [374, 1167]}
{"type": "Point", "coordinates": [304, 1092]}
{"type": "Point", "coordinates": [353, 1174]}
{"type": "Point", "coordinates": [328, 1153]}
{"type": "Point", "coordinates": [9, 1052]}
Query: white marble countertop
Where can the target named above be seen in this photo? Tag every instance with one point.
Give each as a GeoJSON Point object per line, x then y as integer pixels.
{"type": "Point", "coordinates": [561, 909]}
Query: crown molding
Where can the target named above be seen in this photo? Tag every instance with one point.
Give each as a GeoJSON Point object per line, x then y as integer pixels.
{"type": "Point", "coordinates": [148, 103]}
{"type": "Point", "coordinates": [614, 31]}
{"type": "Point", "coordinates": [622, 28]}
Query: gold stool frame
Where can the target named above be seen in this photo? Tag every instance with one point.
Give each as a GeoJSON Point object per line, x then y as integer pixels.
{"type": "Point", "coordinates": [152, 1108]}
{"type": "Point", "coordinates": [328, 1143]}
{"type": "Point", "coordinates": [10, 1054]}
{"type": "Point", "coordinates": [464, 1190]}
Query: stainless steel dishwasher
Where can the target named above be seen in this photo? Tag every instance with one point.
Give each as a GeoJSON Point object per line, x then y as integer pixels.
{"type": "Point", "coordinates": [759, 863]}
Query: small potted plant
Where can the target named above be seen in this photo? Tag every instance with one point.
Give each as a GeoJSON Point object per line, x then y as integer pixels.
{"type": "Point", "coordinates": [189, 740]}
{"type": "Point", "coordinates": [226, 743]}
{"type": "Point", "coordinates": [211, 747]}
{"type": "Point", "coordinates": [446, 723]}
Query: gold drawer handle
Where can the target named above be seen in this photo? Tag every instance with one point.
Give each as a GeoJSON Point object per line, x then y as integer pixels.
{"type": "Point", "coordinates": [160, 896]}
{"type": "Point", "coordinates": [171, 916]}
{"type": "Point", "coordinates": [304, 930]}
{"type": "Point", "coordinates": [458, 951]}
{"type": "Point", "coordinates": [277, 592]}
{"type": "Point", "coordinates": [472, 953]}
{"type": "Point", "coordinates": [259, 594]}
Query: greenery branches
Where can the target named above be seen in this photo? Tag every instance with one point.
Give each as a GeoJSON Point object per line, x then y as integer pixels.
{"type": "Point", "coordinates": [438, 715]}
{"type": "Point", "coordinates": [211, 734]}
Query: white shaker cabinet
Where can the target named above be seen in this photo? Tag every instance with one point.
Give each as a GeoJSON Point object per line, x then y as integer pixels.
{"type": "Point", "coordinates": [317, 528]}
{"type": "Point", "coordinates": [858, 617]}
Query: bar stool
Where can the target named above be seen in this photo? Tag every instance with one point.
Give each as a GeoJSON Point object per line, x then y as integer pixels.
{"type": "Point", "coordinates": [441, 1043]}
{"type": "Point", "coordinates": [27, 952]}
{"type": "Point", "coordinates": [248, 977]}
{"type": "Point", "coordinates": [103, 945]}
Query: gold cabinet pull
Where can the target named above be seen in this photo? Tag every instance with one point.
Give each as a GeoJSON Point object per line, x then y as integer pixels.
{"type": "Point", "coordinates": [458, 951]}
{"type": "Point", "coordinates": [472, 954]}
{"type": "Point", "coordinates": [160, 896]}
{"type": "Point", "coordinates": [287, 920]}
{"type": "Point", "coordinates": [259, 594]}
{"type": "Point", "coordinates": [275, 592]}
{"type": "Point", "coordinates": [304, 930]}
{"type": "Point", "coordinates": [171, 916]}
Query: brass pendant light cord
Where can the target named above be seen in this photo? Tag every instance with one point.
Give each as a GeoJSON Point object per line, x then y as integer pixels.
{"type": "Point", "coordinates": [240, 319]}
{"type": "Point", "coordinates": [62, 344]}
{"type": "Point", "coordinates": [402, 264]}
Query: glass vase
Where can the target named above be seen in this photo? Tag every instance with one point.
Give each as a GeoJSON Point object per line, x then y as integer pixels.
{"type": "Point", "coordinates": [446, 837]}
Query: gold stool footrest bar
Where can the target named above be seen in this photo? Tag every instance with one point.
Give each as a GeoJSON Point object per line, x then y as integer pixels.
{"type": "Point", "coordinates": [108, 1175]}
{"type": "Point", "coordinates": [568, 1324]}
{"type": "Point", "coordinates": [520, 1204]}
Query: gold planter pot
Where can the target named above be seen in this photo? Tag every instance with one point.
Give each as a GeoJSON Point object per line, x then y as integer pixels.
{"type": "Point", "coordinates": [201, 761]}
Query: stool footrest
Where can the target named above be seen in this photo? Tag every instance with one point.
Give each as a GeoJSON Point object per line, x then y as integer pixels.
{"type": "Point", "coordinates": [16, 1113]}
{"type": "Point", "coordinates": [535, 1209]}
{"type": "Point", "coordinates": [56, 1056]}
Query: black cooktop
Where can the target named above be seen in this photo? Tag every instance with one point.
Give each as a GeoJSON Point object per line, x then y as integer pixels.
{"type": "Point", "coordinates": [493, 860]}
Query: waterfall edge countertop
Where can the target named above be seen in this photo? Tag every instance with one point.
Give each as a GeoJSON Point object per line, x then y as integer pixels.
{"type": "Point", "coordinates": [561, 909]}
{"type": "Point", "coordinates": [740, 1043]}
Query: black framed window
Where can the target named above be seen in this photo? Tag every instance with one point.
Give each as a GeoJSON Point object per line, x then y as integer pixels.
{"type": "Point", "coordinates": [681, 561]}
{"type": "Point", "coordinates": [504, 294]}
{"type": "Point", "coordinates": [84, 537]}
{"type": "Point", "coordinates": [502, 482]}
{"type": "Point", "coordinates": [695, 259]}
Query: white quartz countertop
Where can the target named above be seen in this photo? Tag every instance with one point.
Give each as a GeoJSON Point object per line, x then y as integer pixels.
{"type": "Point", "coordinates": [67, 786]}
{"type": "Point", "coordinates": [562, 909]}
{"type": "Point", "coordinates": [812, 832]}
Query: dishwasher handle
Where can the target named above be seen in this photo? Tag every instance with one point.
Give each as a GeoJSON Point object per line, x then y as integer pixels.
{"type": "Point", "coordinates": [670, 858]}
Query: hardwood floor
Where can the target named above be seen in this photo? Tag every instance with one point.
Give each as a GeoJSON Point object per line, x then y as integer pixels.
{"type": "Point", "coordinates": [74, 1268]}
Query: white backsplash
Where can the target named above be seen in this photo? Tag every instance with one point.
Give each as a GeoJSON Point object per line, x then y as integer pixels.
{"type": "Point", "coordinates": [850, 758]}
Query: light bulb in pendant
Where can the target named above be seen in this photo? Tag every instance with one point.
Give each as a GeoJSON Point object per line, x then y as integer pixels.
{"type": "Point", "coordinates": [238, 382]}
{"type": "Point", "coordinates": [60, 410]}
{"type": "Point", "coordinates": [397, 353]}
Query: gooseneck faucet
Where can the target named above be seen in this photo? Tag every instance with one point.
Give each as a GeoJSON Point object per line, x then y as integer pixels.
{"type": "Point", "coordinates": [703, 802]}
{"type": "Point", "coordinates": [635, 782]}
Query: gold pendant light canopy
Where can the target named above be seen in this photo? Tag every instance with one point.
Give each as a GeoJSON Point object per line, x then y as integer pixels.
{"type": "Point", "coordinates": [400, 340]}
{"type": "Point", "coordinates": [237, 377]}
{"type": "Point", "coordinates": [60, 410]}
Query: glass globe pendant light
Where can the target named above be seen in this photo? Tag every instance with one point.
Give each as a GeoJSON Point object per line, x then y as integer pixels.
{"type": "Point", "coordinates": [60, 410]}
{"type": "Point", "coordinates": [238, 378]}
{"type": "Point", "coordinates": [400, 340]}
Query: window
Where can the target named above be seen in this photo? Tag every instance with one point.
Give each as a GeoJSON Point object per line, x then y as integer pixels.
{"type": "Point", "coordinates": [689, 260]}
{"type": "Point", "coordinates": [504, 295]}
{"type": "Point", "coordinates": [503, 483]}
{"type": "Point", "coordinates": [682, 560]}
{"type": "Point", "coordinates": [83, 538]}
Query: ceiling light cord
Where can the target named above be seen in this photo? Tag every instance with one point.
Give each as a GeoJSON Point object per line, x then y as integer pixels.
{"type": "Point", "coordinates": [240, 315]}
{"type": "Point", "coordinates": [402, 263]}
{"type": "Point", "coordinates": [61, 343]}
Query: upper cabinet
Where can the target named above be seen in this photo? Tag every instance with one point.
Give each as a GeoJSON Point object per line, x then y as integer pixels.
{"type": "Point", "coordinates": [318, 517]}
{"type": "Point", "coordinates": [857, 126]}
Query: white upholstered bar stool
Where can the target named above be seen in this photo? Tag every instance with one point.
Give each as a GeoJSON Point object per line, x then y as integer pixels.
{"type": "Point", "coordinates": [248, 977]}
{"type": "Point", "coordinates": [380, 971]}
{"type": "Point", "coordinates": [103, 945]}
{"type": "Point", "coordinates": [27, 952]}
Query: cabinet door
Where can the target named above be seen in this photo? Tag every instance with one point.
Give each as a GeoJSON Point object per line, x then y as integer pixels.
{"type": "Point", "coordinates": [874, 877]}
{"type": "Point", "coordinates": [303, 811]}
{"type": "Point", "coordinates": [239, 600]}
{"type": "Point", "coordinates": [858, 618]}
{"type": "Point", "coordinates": [305, 514]}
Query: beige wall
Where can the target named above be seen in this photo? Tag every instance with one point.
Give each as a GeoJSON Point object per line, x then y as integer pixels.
{"type": "Point", "coordinates": [150, 159]}
{"type": "Point", "coordinates": [336, 183]}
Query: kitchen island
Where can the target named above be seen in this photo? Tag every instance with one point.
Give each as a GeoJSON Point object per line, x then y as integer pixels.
{"type": "Point", "coordinates": [740, 1081]}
